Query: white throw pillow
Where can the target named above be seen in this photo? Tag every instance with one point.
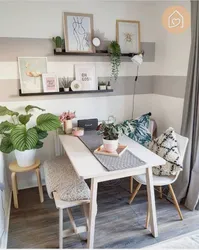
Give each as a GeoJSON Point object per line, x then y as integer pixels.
{"type": "Point", "coordinates": [166, 146]}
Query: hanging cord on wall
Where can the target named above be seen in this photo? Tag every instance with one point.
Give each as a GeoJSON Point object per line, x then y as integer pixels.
{"type": "Point", "coordinates": [1, 237]}
{"type": "Point", "coordinates": [134, 88]}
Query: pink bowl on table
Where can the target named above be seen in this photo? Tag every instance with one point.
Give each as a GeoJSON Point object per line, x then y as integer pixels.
{"type": "Point", "coordinates": [77, 131]}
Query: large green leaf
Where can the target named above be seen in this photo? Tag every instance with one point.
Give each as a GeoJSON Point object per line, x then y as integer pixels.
{"type": "Point", "coordinates": [41, 134]}
{"type": "Point", "coordinates": [23, 139]}
{"type": "Point", "coordinates": [29, 107]}
{"type": "Point", "coordinates": [6, 111]}
{"type": "Point", "coordinates": [39, 144]}
{"type": "Point", "coordinates": [6, 145]}
{"type": "Point", "coordinates": [6, 127]}
{"type": "Point", "coordinates": [24, 118]}
{"type": "Point", "coordinates": [48, 122]}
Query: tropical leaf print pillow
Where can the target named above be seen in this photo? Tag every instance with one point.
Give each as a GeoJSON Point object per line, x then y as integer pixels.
{"type": "Point", "coordinates": [137, 129]}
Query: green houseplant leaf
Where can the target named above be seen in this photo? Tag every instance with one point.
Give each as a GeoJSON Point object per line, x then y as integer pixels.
{"type": "Point", "coordinates": [6, 111]}
{"type": "Point", "coordinates": [41, 134]}
{"type": "Point", "coordinates": [24, 118]}
{"type": "Point", "coordinates": [6, 145]}
{"type": "Point", "coordinates": [39, 145]}
{"type": "Point", "coordinates": [48, 122]}
{"type": "Point", "coordinates": [23, 139]}
{"type": "Point", "coordinates": [29, 107]}
{"type": "Point", "coordinates": [6, 127]}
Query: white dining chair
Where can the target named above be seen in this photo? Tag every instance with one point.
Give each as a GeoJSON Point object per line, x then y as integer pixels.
{"type": "Point", "coordinates": [161, 181]}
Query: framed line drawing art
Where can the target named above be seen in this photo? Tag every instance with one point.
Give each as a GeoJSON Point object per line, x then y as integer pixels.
{"type": "Point", "coordinates": [85, 73]}
{"type": "Point", "coordinates": [50, 82]}
{"type": "Point", "coordinates": [78, 32]}
{"type": "Point", "coordinates": [30, 73]}
{"type": "Point", "coordinates": [128, 36]}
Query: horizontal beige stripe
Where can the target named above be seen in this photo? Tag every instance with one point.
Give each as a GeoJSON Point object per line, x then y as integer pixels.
{"type": "Point", "coordinates": [9, 70]}
{"type": "Point", "coordinates": [11, 48]}
{"type": "Point", "coordinates": [124, 86]}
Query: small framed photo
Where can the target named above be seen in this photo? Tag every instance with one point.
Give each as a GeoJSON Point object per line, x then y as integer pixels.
{"type": "Point", "coordinates": [50, 82]}
{"type": "Point", "coordinates": [78, 32]}
{"type": "Point", "coordinates": [30, 73]}
{"type": "Point", "coordinates": [128, 36]}
{"type": "Point", "coordinates": [85, 73]}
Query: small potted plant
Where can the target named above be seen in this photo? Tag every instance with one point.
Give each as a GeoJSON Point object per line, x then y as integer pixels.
{"type": "Point", "coordinates": [102, 86]}
{"type": "Point", "coordinates": [23, 139]}
{"type": "Point", "coordinates": [115, 53]}
{"type": "Point", "coordinates": [110, 135]}
{"type": "Point", "coordinates": [58, 41]}
{"type": "Point", "coordinates": [65, 83]}
{"type": "Point", "coordinates": [66, 119]}
{"type": "Point", "coordinates": [108, 85]}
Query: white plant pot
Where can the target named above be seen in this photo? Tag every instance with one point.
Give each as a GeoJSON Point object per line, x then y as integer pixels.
{"type": "Point", "coordinates": [102, 87]}
{"type": "Point", "coordinates": [109, 87]}
{"type": "Point", "coordinates": [66, 89]}
{"type": "Point", "coordinates": [110, 145]}
{"type": "Point", "coordinates": [25, 158]}
{"type": "Point", "coordinates": [58, 49]}
{"type": "Point", "coordinates": [68, 127]}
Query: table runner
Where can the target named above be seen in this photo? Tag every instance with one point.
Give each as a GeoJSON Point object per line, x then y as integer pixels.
{"type": "Point", "coordinates": [128, 160]}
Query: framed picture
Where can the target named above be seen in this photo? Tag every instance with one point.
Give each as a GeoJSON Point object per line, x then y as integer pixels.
{"type": "Point", "coordinates": [30, 73]}
{"type": "Point", "coordinates": [128, 36]}
{"type": "Point", "coordinates": [85, 73]}
{"type": "Point", "coordinates": [50, 82]}
{"type": "Point", "coordinates": [78, 32]}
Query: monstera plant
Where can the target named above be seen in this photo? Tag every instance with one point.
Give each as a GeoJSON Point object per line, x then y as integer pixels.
{"type": "Point", "coordinates": [17, 135]}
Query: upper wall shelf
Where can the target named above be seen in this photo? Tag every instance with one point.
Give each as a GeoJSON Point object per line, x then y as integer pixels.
{"type": "Point", "coordinates": [97, 53]}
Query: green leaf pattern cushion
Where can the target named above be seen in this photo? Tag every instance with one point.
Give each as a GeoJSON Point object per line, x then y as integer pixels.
{"type": "Point", "coordinates": [137, 129]}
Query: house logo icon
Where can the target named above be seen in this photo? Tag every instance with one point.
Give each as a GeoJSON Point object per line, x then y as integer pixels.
{"type": "Point", "coordinates": [176, 19]}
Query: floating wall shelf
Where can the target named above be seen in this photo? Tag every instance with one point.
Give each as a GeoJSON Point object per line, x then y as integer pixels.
{"type": "Point", "coordinates": [66, 93]}
{"type": "Point", "coordinates": [97, 53]}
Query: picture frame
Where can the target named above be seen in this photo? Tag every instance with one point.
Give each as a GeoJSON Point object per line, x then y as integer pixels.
{"type": "Point", "coordinates": [50, 82]}
{"type": "Point", "coordinates": [128, 36]}
{"type": "Point", "coordinates": [30, 73]}
{"type": "Point", "coordinates": [78, 32]}
{"type": "Point", "coordinates": [86, 74]}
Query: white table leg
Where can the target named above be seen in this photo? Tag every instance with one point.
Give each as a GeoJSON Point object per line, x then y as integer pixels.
{"type": "Point", "coordinates": [151, 202]}
{"type": "Point", "coordinates": [92, 213]}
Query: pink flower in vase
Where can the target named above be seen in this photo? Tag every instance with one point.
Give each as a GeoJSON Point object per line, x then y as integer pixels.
{"type": "Point", "coordinates": [67, 116]}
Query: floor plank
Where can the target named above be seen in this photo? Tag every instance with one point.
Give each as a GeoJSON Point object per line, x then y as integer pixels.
{"type": "Point", "coordinates": [118, 224]}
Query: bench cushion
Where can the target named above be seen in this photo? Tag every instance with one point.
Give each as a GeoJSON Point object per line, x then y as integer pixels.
{"type": "Point", "coordinates": [61, 178]}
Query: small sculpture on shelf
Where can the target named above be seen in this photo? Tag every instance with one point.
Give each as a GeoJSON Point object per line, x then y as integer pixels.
{"type": "Point", "coordinates": [59, 43]}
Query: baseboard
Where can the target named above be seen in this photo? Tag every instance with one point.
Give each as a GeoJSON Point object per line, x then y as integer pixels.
{"type": "Point", "coordinates": [4, 241]}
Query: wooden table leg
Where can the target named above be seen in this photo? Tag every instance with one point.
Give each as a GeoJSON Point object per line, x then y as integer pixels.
{"type": "Point", "coordinates": [41, 195]}
{"type": "Point", "coordinates": [14, 190]}
{"type": "Point", "coordinates": [92, 213]}
{"type": "Point", "coordinates": [151, 202]}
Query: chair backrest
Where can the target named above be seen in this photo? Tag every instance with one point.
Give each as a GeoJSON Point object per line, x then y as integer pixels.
{"type": "Point", "coordinates": [182, 145]}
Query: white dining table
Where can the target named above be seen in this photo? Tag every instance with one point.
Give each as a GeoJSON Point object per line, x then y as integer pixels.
{"type": "Point", "coordinates": [88, 167]}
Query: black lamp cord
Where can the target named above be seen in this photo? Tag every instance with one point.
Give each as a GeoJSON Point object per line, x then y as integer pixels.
{"type": "Point", "coordinates": [134, 88]}
{"type": "Point", "coordinates": [3, 215]}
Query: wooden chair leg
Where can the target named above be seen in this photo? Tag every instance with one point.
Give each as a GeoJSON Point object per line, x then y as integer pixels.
{"type": "Point", "coordinates": [131, 184]}
{"type": "Point", "coordinates": [148, 216]}
{"type": "Point", "coordinates": [160, 189]}
{"type": "Point", "coordinates": [14, 190]}
{"type": "Point", "coordinates": [175, 201]}
{"type": "Point", "coordinates": [135, 192]}
{"type": "Point", "coordinates": [41, 195]}
{"type": "Point", "coordinates": [61, 228]}
{"type": "Point", "coordinates": [86, 213]}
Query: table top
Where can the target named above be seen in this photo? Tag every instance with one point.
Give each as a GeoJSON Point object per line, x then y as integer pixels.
{"type": "Point", "coordinates": [15, 168]}
{"type": "Point", "coordinates": [87, 166]}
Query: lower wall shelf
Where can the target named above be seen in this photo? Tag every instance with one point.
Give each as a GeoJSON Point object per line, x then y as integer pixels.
{"type": "Point", "coordinates": [61, 92]}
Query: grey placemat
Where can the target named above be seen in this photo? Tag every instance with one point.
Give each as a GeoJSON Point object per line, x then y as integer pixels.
{"type": "Point", "coordinates": [128, 160]}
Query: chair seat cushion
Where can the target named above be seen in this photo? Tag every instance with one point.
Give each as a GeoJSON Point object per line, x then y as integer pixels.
{"type": "Point", "coordinates": [61, 178]}
{"type": "Point", "coordinates": [166, 146]}
{"type": "Point", "coordinates": [157, 180]}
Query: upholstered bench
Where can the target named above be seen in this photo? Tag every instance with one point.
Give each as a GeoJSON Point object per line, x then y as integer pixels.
{"type": "Point", "coordinates": [68, 190]}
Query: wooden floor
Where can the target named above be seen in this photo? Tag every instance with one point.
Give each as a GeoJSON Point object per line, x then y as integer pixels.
{"type": "Point", "coordinates": [118, 224]}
